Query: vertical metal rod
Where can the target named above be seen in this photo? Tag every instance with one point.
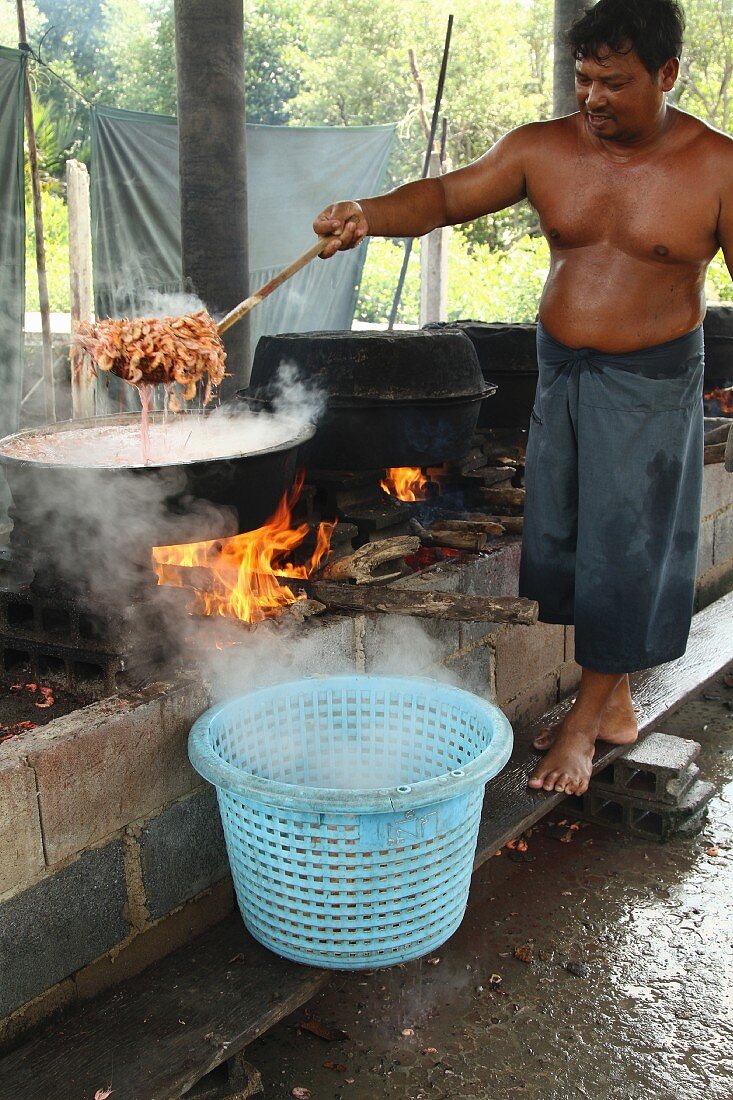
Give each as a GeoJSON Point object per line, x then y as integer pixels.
{"type": "Point", "coordinates": [426, 168]}
{"type": "Point", "coordinates": [48, 387]}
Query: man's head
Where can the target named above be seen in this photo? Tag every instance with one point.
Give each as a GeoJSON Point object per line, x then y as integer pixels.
{"type": "Point", "coordinates": [626, 58]}
{"type": "Point", "coordinates": [653, 29]}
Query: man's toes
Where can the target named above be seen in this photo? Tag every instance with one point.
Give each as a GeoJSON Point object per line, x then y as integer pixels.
{"type": "Point", "coordinates": [563, 782]}
{"type": "Point", "coordinates": [540, 778]}
{"type": "Point", "coordinates": [577, 786]}
{"type": "Point", "coordinates": [550, 780]}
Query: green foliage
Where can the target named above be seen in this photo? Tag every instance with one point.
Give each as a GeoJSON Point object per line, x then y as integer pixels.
{"type": "Point", "coordinates": [311, 62]}
{"type": "Point", "coordinates": [705, 87]}
{"type": "Point", "coordinates": [273, 49]}
{"type": "Point", "coordinates": [718, 285]}
{"type": "Point", "coordinates": [56, 240]}
{"type": "Point", "coordinates": [482, 284]}
{"type": "Point", "coordinates": [139, 42]}
{"type": "Point", "coordinates": [379, 282]}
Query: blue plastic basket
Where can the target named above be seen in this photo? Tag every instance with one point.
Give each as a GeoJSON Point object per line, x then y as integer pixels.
{"type": "Point", "coordinates": [351, 808]}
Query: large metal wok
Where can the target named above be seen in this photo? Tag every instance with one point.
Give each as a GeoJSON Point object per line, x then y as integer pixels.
{"type": "Point", "coordinates": [118, 512]}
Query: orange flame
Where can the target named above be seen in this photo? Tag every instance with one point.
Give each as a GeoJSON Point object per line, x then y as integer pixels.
{"type": "Point", "coordinates": [405, 483]}
{"type": "Point", "coordinates": [244, 568]}
{"type": "Point", "coordinates": [724, 398]}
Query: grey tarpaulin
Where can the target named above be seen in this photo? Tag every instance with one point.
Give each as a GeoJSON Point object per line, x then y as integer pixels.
{"type": "Point", "coordinates": [292, 173]}
{"type": "Point", "coordinates": [12, 244]}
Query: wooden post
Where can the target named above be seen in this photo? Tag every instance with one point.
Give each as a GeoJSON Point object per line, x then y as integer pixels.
{"type": "Point", "coordinates": [80, 276]}
{"type": "Point", "coordinates": [48, 390]}
{"type": "Point", "coordinates": [434, 265]}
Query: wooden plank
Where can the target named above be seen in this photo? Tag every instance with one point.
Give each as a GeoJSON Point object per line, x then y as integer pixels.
{"type": "Point", "coordinates": [161, 1032]}
{"type": "Point", "coordinates": [80, 276]}
{"type": "Point", "coordinates": [510, 806]}
{"type": "Point", "coordinates": [432, 605]}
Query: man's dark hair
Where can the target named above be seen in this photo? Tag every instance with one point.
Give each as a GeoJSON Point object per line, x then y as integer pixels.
{"type": "Point", "coordinates": [654, 28]}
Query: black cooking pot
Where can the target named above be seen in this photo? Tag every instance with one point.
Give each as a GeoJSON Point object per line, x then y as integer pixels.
{"type": "Point", "coordinates": [393, 399]}
{"type": "Point", "coordinates": [118, 512]}
{"type": "Point", "coordinates": [507, 355]}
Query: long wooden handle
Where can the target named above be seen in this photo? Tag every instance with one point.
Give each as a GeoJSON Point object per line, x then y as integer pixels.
{"type": "Point", "coordinates": [254, 299]}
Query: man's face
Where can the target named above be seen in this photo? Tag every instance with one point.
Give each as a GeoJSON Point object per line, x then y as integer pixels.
{"type": "Point", "coordinates": [617, 95]}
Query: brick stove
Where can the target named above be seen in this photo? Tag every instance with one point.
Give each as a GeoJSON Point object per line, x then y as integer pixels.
{"type": "Point", "coordinates": [107, 831]}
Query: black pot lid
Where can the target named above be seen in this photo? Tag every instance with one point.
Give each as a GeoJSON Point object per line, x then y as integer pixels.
{"type": "Point", "coordinates": [400, 365]}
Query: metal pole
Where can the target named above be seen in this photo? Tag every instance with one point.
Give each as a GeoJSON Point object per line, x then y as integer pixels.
{"type": "Point", "coordinates": [48, 387]}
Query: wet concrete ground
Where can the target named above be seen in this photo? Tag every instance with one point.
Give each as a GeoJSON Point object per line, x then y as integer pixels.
{"type": "Point", "coordinates": [627, 995]}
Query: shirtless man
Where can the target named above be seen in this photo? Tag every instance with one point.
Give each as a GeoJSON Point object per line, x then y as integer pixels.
{"type": "Point", "coordinates": [635, 197]}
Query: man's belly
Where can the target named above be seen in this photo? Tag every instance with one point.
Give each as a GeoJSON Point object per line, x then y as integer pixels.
{"type": "Point", "coordinates": [606, 300]}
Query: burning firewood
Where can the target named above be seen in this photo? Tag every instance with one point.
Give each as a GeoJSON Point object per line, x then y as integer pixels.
{"type": "Point", "coordinates": [480, 526]}
{"type": "Point", "coordinates": [472, 538]}
{"type": "Point", "coordinates": [504, 498]}
{"type": "Point", "coordinates": [513, 525]}
{"type": "Point", "coordinates": [373, 598]}
{"type": "Point", "coordinates": [362, 565]}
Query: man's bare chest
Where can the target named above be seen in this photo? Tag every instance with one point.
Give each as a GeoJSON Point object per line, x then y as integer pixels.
{"type": "Point", "coordinates": [657, 211]}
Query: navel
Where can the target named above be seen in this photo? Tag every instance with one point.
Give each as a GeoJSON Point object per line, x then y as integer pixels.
{"type": "Point", "coordinates": [554, 233]}
{"type": "Point", "coordinates": [661, 250]}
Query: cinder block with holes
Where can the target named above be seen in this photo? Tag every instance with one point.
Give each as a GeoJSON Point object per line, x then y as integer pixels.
{"type": "Point", "coordinates": [642, 816]}
{"type": "Point", "coordinates": [660, 768]}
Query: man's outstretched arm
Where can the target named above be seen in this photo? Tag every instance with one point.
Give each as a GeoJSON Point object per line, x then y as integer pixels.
{"type": "Point", "coordinates": [491, 183]}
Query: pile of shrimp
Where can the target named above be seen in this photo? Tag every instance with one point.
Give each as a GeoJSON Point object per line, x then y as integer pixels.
{"type": "Point", "coordinates": [148, 351]}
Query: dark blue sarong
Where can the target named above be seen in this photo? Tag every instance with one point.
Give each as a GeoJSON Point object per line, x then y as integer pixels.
{"type": "Point", "coordinates": [614, 485]}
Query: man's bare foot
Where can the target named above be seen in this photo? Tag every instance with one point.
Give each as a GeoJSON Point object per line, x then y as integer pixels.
{"type": "Point", "coordinates": [618, 725]}
{"type": "Point", "coordinates": [569, 762]}
{"type": "Point", "coordinates": [568, 765]}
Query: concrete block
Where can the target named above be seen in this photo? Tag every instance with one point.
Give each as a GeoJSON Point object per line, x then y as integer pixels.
{"type": "Point", "coordinates": [407, 645]}
{"type": "Point", "coordinates": [717, 582]}
{"type": "Point", "coordinates": [182, 852]}
{"type": "Point", "coordinates": [474, 671]}
{"type": "Point", "coordinates": [100, 768]}
{"type": "Point", "coordinates": [723, 540]}
{"type": "Point", "coordinates": [21, 844]}
{"type": "Point", "coordinates": [658, 754]}
{"type": "Point", "coordinates": [569, 643]}
{"type": "Point", "coordinates": [157, 941]}
{"type": "Point", "coordinates": [59, 925]}
{"type": "Point", "coordinates": [496, 573]}
{"type": "Point", "coordinates": [478, 634]}
{"type": "Point", "coordinates": [569, 678]}
{"type": "Point", "coordinates": [705, 546]}
{"type": "Point", "coordinates": [526, 653]}
{"type": "Point", "coordinates": [532, 702]}
{"type": "Point", "coordinates": [717, 488]}
{"type": "Point", "coordinates": [443, 577]}
{"type": "Point", "coordinates": [325, 647]}
{"type": "Point", "coordinates": [670, 791]}
{"type": "Point", "coordinates": [655, 820]}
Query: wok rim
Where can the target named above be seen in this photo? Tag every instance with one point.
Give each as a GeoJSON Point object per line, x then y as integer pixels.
{"type": "Point", "coordinates": [306, 433]}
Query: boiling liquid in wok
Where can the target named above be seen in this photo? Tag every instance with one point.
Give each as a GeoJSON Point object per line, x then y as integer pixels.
{"type": "Point", "coordinates": [181, 439]}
